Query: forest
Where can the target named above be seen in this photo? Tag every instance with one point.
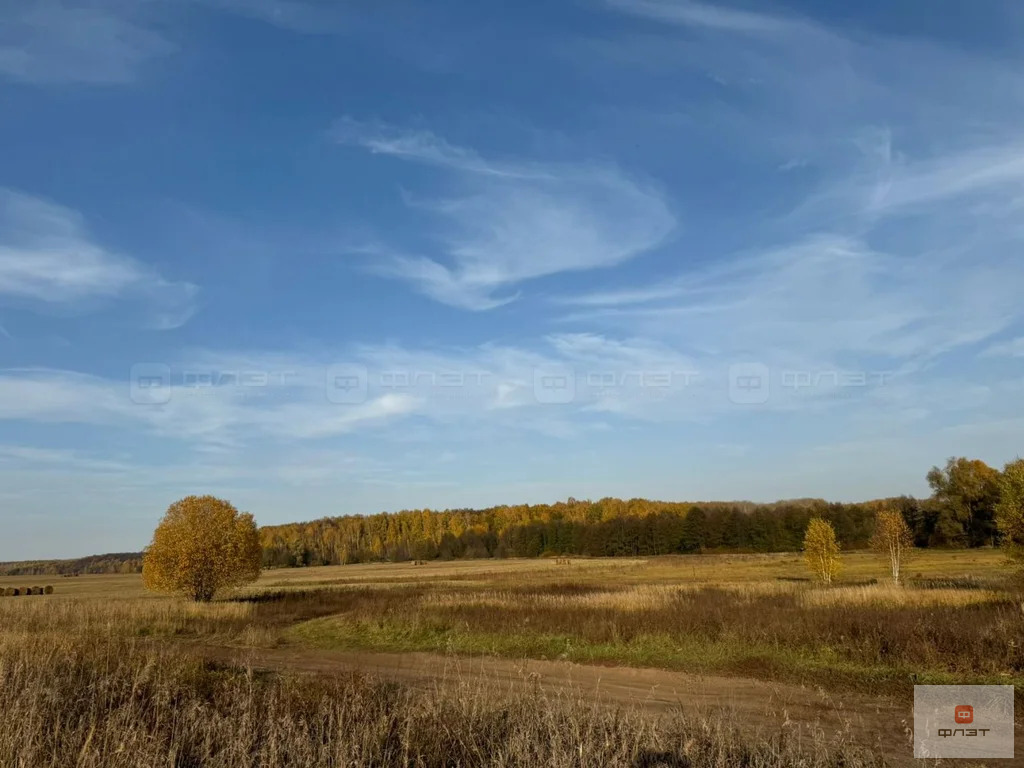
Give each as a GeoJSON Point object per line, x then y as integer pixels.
{"type": "Point", "coordinates": [959, 513]}
{"type": "Point", "coordinates": [115, 562]}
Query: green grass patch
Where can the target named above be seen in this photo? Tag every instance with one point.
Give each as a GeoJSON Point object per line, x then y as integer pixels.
{"type": "Point", "coordinates": [820, 666]}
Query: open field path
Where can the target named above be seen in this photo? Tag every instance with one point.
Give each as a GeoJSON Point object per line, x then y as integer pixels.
{"type": "Point", "coordinates": [756, 706]}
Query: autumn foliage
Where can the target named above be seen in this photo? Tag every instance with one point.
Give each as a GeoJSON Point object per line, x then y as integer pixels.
{"type": "Point", "coordinates": [1010, 510]}
{"type": "Point", "coordinates": [202, 546]}
{"type": "Point", "coordinates": [893, 539]}
{"type": "Point", "coordinates": [821, 550]}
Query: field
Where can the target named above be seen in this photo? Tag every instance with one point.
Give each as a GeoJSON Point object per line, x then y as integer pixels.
{"type": "Point", "coordinates": [692, 660]}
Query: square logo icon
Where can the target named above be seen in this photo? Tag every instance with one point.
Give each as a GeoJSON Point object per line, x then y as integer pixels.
{"type": "Point", "coordinates": [554, 385]}
{"type": "Point", "coordinates": [964, 713]}
{"type": "Point", "coordinates": [347, 384]}
{"type": "Point", "coordinates": [955, 721]}
{"type": "Point", "coordinates": [150, 383]}
{"type": "Point", "coordinates": [749, 383]}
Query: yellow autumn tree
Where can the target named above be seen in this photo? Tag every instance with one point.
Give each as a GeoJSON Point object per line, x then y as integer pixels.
{"type": "Point", "coordinates": [1010, 509]}
{"type": "Point", "coordinates": [202, 546]}
{"type": "Point", "coordinates": [893, 539]}
{"type": "Point", "coordinates": [821, 550]}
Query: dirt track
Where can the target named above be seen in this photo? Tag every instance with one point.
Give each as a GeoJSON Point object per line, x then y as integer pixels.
{"type": "Point", "coordinates": [755, 705]}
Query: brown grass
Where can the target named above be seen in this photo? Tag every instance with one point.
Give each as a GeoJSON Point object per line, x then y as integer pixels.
{"type": "Point", "coordinates": [102, 701]}
{"type": "Point", "coordinates": [95, 676]}
{"type": "Point", "coordinates": [877, 634]}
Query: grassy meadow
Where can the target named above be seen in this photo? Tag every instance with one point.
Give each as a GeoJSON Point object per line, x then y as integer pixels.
{"type": "Point", "coordinates": [955, 621]}
{"type": "Point", "coordinates": [103, 673]}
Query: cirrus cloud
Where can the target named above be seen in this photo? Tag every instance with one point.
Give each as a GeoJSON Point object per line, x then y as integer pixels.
{"type": "Point", "coordinates": [48, 257]}
{"type": "Point", "coordinates": [504, 223]}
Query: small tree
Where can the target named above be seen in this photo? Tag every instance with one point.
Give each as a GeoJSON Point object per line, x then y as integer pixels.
{"type": "Point", "coordinates": [893, 539]}
{"type": "Point", "coordinates": [1010, 509]}
{"type": "Point", "coordinates": [821, 550]}
{"type": "Point", "coordinates": [203, 545]}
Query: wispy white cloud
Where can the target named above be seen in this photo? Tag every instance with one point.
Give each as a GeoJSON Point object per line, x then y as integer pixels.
{"type": "Point", "coordinates": [826, 298]}
{"type": "Point", "coordinates": [624, 296]}
{"type": "Point", "coordinates": [301, 421]}
{"type": "Point", "coordinates": [504, 223]}
{"type": "Point", "coordinates": [204, 415]}
{"type": "Point", "coordinates": [47, 256]}
{"type": "Point", "coordinates": [293, 15]}
{"type": "Point", "coordinates": [977, 177]}
{"type": "Point", "coordinates": [1011, 348]}
{"type": "Point", "coordinates": [958, 175]}
{"type": "Point", "coordinates": [230, 401]}
{"type": "Point", "coordinates": [425, 147]}
{"type": "Point", "coordinates": [793, 87]}
{"type": "Point", "coordinates": [896, 243]}
{"type": "Point", "coordinates": [21, 456]}
{"type": "Point", "coordinates": [69, 41]}
{"type": "Point", "coordinates": [706, 15]}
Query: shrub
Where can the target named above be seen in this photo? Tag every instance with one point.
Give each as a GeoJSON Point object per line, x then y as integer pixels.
{"type": "Point", "coordinates": [202, 546]}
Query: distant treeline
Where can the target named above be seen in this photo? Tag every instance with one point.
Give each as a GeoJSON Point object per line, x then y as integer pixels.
{"type": "Point", "coordinates": [960, 513]}
{"type": "Point", "coordinates": [116, 562]}
{"type": "Point", "coordinates": [608, 527]}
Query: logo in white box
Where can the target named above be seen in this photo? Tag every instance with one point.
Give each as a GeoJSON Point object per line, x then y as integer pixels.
{"type": "Point", "coordinates": [952, 721]}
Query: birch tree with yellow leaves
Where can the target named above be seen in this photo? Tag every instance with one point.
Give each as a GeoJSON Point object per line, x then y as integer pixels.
{"type": "Point", "coordinates": [821, 550]}
{"type": "Point", "coordinates": [893, 539]}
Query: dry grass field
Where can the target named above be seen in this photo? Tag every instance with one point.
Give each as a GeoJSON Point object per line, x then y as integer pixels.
{"type": "Point", "coordinates": [283, 673]}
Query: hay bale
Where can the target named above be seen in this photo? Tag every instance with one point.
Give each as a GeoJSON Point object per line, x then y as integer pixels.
{"type": "Point", "coordinates": [48, 590]}
{"type": "Point", "coordinates": [35, 591]}
{"type": "Point", "coordinates": [5, 592]}
{"type": "Point", "coordinates": [16, 592]}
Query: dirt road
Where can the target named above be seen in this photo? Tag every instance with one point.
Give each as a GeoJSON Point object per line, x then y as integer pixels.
{"type": "Point", "coordinates": [756, 705]}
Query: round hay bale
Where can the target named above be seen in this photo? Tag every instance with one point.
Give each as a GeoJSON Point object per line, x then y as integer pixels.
{"type": "Point", "coordinates": [16, 592]}
{"type": "Point", "coordinates": [48, 590]}
{"type": "Point", "coordinates": [6, 592]}
{"type": "Point", "coordinates": [35, 591]}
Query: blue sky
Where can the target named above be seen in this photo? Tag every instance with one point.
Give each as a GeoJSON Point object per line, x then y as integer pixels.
{"type": "Point", "coordinates": [331, 258]}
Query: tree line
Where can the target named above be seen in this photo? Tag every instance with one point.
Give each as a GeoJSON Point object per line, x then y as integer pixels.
{"type": "Point", "coordinates": [115, 562]}
{"type": "Point", "coordinates": [959, 513]}
{"type": "Point", "coordinates": [204, 545]}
